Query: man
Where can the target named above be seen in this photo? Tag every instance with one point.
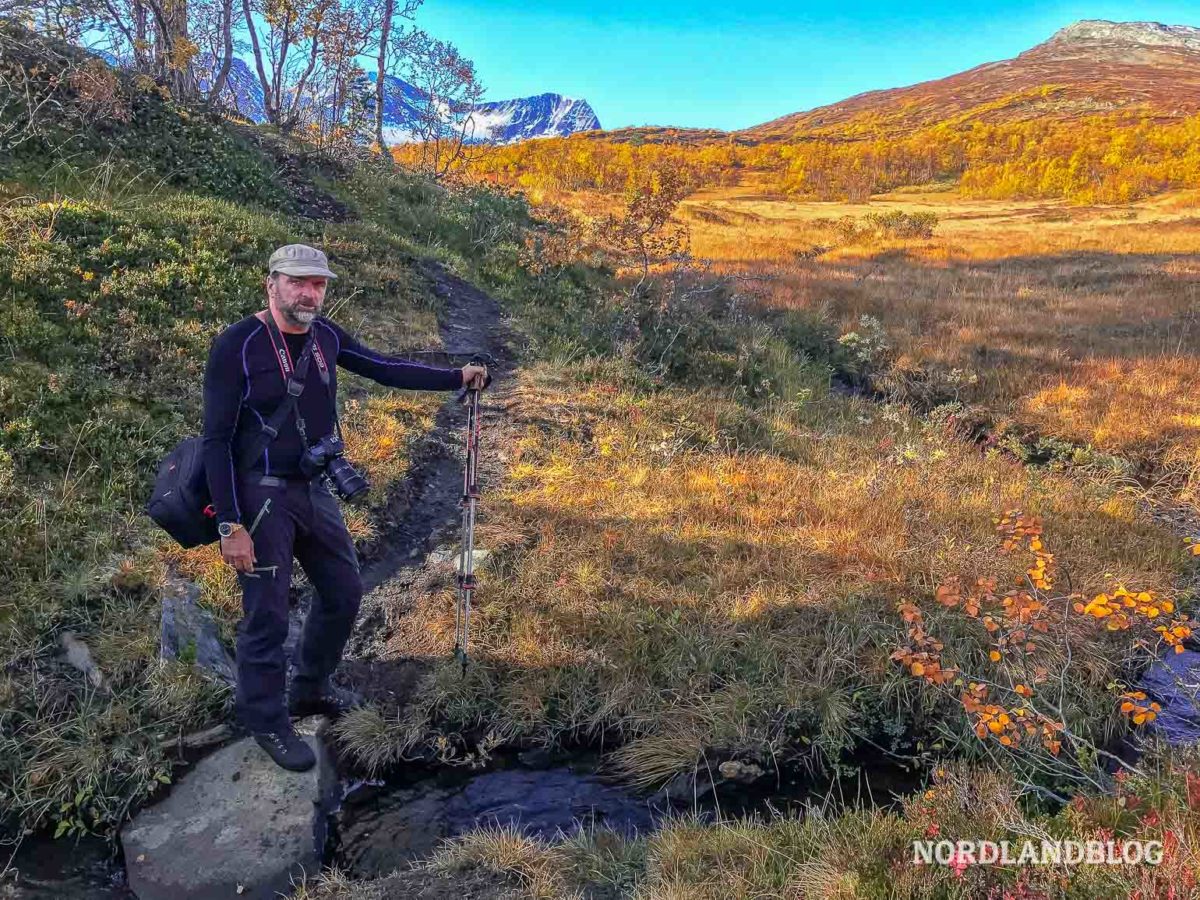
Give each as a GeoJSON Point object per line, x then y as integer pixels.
{"type": "Point", "coordinates": [290, 514]}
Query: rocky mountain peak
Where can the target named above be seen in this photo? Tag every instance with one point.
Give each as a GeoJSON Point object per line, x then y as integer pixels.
{"type": "Point", "coordinates": [1094, 36]}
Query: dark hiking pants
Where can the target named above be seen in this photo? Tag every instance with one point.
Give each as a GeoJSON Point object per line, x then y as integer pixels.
{"type": "Point", "coordinates": [302, 520]}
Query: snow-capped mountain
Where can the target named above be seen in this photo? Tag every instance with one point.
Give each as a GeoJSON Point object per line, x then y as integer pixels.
{"type": "Point", "coordinates": [546, 115]}
{"type": "Point", "coordinates": [501, 122]}
{"type": "Point", "coordinates": [1102, 35]}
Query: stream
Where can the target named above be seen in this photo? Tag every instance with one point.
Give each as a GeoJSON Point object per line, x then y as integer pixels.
{"type": "Point", "coordinates": [381, 826]}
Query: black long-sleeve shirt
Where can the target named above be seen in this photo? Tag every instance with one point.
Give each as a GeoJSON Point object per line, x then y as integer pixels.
{"type": "Point", "coordinates": [244, 385]}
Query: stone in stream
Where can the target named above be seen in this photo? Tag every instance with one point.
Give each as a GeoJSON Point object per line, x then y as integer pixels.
{"type": "Point", "coordinates": [1173, 681]}
{"type": "Point", "coordinates": [237, 825]}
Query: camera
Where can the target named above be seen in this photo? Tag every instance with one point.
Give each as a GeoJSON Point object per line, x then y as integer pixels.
{"type": "Point", "coordinates": [327, 457]}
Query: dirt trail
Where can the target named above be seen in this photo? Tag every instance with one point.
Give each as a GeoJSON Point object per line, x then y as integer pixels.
{"type": "Point", "coordinates": [424, 510]}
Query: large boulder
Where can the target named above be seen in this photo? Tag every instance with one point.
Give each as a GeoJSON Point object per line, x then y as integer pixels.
{"type": "Point", "coordinates": [236, 826]}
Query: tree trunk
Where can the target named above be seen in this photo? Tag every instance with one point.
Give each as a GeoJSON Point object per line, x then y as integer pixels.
{"type": "Point", "coordinates": [141, 61]}
{"type": "Point", "coordinates": [218, 85]}
{"type": "Point", "coordinates": [279, 67]}
{"type": "Point", "coordinates": [293, 115]}
{"type": "Point", "coordinates": [380, 71]}
{"type": "Point", "coordinates": [269, 107]}
{"type": "Point", "coordinates": [172, 64]}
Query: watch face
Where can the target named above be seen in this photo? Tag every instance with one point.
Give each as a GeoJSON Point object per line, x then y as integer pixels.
{"type": "Point", "coordinates": [225, 529]}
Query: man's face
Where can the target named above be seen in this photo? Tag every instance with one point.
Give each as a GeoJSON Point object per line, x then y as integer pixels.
{"type": "Point", "coordinates": [299, 298]}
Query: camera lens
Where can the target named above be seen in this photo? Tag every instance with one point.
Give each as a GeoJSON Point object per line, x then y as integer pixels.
{"type": "Point", "coordinates": [348, 482]}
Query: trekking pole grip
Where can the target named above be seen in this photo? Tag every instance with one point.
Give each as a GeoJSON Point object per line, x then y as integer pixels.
{"type": "Point", "coordinates": [476, 360]}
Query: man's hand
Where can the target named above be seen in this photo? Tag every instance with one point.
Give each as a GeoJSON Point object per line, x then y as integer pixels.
{"type": "Point", "coordinates": [238, 550]}
{"type": "Point", "coordinates": [474, 377]}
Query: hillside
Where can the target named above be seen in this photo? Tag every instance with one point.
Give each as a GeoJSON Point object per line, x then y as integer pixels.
{"type": "Point", "coordinates": [1092, 66]}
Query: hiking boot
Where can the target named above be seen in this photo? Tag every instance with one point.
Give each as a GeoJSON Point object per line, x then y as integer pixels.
{"type": "Point", "coordinates": [326, 700]}
{"type": "Point", "coordinates": [287, 748]}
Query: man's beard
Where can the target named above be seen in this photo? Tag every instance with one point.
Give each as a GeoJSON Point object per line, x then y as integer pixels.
{"type": "Point", "coordinates": [299, 316]}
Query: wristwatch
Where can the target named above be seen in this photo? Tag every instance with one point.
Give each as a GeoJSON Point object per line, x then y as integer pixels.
{"type": "Point", "coordinates": [226, 529]}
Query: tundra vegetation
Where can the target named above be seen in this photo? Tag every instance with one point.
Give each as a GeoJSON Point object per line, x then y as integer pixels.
{"type": "Point", "coordinates": [792, 482]}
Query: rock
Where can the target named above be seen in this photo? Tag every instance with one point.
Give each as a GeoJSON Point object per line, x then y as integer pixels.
{"type": "Point", "coordinates": [684, 787]}
{"type": "Point", "coordinates": [443, 557]}
{"type": "Point", "coordinates": [78, 655]}
{"type": "Point", "coordinates": [196, 739]}
{"type": "Point", "coordinates": [1173, 681]}
{"type": "Point", "coordinates": [237, 825]}
{"type": "Point", "coordinates": [480, 558]}
{"type": "Point", "coordinates": [189, 633]}
{"type": "Point", "coordinates": [736, 770]}
{"type": "Point", "coordinates": [537, 758]}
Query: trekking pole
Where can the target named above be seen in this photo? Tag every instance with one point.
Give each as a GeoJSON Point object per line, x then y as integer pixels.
{"type": "Point", "coordinates": [466, 561]}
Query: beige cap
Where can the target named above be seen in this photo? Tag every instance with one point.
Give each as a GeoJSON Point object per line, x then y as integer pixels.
{"type": "Point", "coordinates": [299, 260]}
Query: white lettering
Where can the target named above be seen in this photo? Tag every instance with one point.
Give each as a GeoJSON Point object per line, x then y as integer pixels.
{"type": "Point", "coordinates": [1051, 853]}
{"type": "Point", "coordinates": [1044, 853]}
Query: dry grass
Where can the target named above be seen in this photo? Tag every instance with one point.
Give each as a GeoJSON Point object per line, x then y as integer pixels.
{"type": "Point", "coordinates": [505, 849]}
{"type": "Point", "coordinates": [705, 581]}
{"type": "Point", "coordinates": [1078, 322]}
{"type": "Point", "coordinates": [380, 430]}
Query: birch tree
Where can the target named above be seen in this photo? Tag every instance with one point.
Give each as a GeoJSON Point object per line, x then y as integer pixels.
{"type": "Point", "coordinates": [443, 123]}
{"type": "Point", "coordinates": [396, 42]}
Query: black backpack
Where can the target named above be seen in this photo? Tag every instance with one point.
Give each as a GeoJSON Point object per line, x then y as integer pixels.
{"type": "Point", "coordinates": [181, 503]}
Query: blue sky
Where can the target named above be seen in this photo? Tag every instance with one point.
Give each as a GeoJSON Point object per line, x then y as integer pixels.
{"type": "Point", "coordinates": [735, 64]}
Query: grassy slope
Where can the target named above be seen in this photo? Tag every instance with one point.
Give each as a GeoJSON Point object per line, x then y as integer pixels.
{"type": "Point", "coordinates": [709, 571]}
{"type": "Point", "coordinates": [117, 269]}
